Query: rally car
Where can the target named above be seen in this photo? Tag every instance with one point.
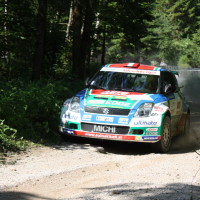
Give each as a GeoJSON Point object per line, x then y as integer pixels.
{"type": "Point", "coordinates": [128, 102]}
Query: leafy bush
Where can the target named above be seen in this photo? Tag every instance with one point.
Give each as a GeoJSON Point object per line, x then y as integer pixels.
{"type": "Point", "coordinates": [32, 108]}
{"type": "Point", "coordinates": [8, 140]}
{"type": "Point", "coordinates": [184, 62]}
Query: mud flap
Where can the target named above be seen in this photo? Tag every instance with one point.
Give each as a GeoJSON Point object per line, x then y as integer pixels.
{"type": "Point", "coordinates": [181, 124]}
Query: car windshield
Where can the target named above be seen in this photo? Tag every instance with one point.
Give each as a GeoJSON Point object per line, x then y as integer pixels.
{"type": "Point", "coordinates": [129, 82]}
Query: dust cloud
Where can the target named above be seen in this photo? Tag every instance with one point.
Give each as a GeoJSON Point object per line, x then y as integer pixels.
{"type": "Point", "coordinates": [189, 80]}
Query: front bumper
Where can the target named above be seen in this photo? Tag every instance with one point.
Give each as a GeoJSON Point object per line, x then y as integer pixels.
{"type": "Point", "coordinates": [154, 137]}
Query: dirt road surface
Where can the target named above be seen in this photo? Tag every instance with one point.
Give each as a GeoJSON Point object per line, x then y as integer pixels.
{"type": "Point", "coordinates": [90, 170]}
{"type": "Point", "coordinates": [112, 170]}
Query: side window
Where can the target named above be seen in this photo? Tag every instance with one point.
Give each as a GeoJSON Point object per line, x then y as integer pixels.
{"type": "Point", "coordinates": [169, 83]}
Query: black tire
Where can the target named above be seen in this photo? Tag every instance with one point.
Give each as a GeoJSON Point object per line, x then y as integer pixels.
{"type": "Point", "coordinates": [164, 144]}
{"type": "Point", "coordinates": [66, 138]}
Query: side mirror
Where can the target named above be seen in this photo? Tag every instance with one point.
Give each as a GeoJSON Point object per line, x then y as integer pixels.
{"type": "Point", "coordinates": [168, 89]}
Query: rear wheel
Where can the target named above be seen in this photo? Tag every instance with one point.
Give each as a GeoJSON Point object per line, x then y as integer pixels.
{"type": "Point", "coordinates": [164, 144]}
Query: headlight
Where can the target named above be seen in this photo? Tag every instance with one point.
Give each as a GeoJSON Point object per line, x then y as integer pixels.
{"type": "Point", "coordinates": [66, 103]}
{"type": "Point", "coordinates": [64, 109]}
{"type": "Point", "coordinates": [75, 105]}
{"type": "Point", "coordinates": [144, 110]}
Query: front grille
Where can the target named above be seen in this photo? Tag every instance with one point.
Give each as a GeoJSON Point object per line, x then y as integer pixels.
{"type": "Point", "coordinates": [98, 128]}
{"type": "Point", "coordinates": [107, 111]}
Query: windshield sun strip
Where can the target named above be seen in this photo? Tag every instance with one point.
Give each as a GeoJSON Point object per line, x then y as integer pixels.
{"type": "Point", "coordinates": [130, 70]}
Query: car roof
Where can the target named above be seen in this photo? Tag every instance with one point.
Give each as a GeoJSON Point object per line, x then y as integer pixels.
{"type": "Point", "coordinates": [136, 66]}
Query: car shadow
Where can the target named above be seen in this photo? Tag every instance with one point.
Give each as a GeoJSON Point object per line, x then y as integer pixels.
{"type": "Point", "coordinates": [143, 191]}
{"type": "Point", "coordinates": [21, 196]}
{"type": "Point", "coordinates": [180, 144]}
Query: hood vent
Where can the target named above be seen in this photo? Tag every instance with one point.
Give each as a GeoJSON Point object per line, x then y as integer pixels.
{"type": "Point", "coordinates": [116, 99]}
{"type": "Point", "coordinates": [101, 98]}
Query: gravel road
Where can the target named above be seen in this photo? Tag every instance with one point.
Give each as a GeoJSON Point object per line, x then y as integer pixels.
{"type": "Point", "coordinates": [97, 171]}
{"type": "Point", "coordinates": [90, 170]}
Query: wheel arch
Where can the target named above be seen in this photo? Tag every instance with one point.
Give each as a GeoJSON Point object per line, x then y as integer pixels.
{"type": "Point", "coordinates": [167, 113]}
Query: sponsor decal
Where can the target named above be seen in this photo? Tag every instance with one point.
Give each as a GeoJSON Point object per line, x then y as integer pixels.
{"type": "Point", "coordinates": [101, 96]}
{"type": "Point", "coordinates": [159, 109]}
{"type": "Point", "coordinates": [113, 102]}
{"type": "Point", "coordinates": [138, 138]}
{"type": "Point", "coordinates": [96, 101]}
{"type": "Point", "coordinates": [152, 129]}
{"type": "Point", "coordinates": [112, 97]}
{"type": "Point", "coordinates": [105, 135]}
{"type": "Point", "coordinates": [71, 132]}
{"type": "Point", "coordinates": [123, 121]}
{"type": "Point", "coordinates": [73, 116]}
{"type": "Point", "coordinates": [113, 94]}
{"type": "Point", "coordinates": [145, 123]}
{"type": "Point", "coordinates": [151, 133]}
{"type": "Point", "coordinates": [149, 122]}
{"type": "Point", "coordinates": [87, 117]}
{"type": "Point", "coordinates": [141, 71]}
{"type": "Point", "coordinates": [108, 136]}
{"type": "Point", "coordinates": [104, 129]}
{"type": "Point", "coordinates": [116, 93]}
{"type": "Point", "coordinates": [128, 70]}
{"type": "Point", "coordinates": [150, 138]}
{"type": "Point", "coordinates": [118, 97]}
{"type": "Point", "coordinates": [140, 97]}
{"type": "Point", "coordinates": [104, 119]}
{"type": "Point", "coordinates": [118, 103]}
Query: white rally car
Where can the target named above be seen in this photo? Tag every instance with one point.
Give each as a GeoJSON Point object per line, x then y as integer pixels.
{"type": "Point", "coordinates": [128, 102]}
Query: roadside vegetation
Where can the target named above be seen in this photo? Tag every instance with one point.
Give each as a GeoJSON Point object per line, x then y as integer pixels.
{"type": "Point", "coordinates": [48, 48]}
{"type": "Point", "coordinates": [31, 111]}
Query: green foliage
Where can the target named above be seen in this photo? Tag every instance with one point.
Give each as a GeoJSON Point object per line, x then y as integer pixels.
{"type": "Point", "coordinates": [184, 62]}
{"type": "Point", "coordinates": [8, 139]}
{"type": "Point", "coordinates": [171, 32]}
{"type": "Point", "coordinates": [125, 23]}
{"type": "Point", "coordinates": [33, 108]}
{"type": "Point", "coordinates": [132, 31]}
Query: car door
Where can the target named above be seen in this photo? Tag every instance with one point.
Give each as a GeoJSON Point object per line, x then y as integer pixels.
{"type": "Point", "coordinates": [174, 96]}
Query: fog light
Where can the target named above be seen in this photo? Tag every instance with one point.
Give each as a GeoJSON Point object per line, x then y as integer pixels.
{"type": "Point", "coordinates": [138, 131]}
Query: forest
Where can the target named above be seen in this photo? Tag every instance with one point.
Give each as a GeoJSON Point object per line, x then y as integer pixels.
{"type": "Point", "coordinates": [48, 48]}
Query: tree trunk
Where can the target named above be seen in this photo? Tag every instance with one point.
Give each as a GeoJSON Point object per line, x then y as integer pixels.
{"type": "Point", "coordinates": [76, 45]}
{"type": "Point", "coordinates": [70, 21]}
{"type": "Point", "coordinates": [5, 52]}
{"type": "Point", "coordinates": [38, 62]}
{"type": "Point", "coordinates": [103, 50]}
{"type": "Point", "coordinates": [82, 35]}
{"type": "Point", "coordinates": [87, 32]}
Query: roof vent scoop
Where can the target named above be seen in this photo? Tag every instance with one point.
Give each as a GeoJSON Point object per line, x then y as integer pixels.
{"type": "Point", "coordinates": [133, 65]}
{"type": "Point", "coordinates": [136, 65]}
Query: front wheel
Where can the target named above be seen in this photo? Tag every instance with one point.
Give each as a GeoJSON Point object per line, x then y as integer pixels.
{"type": "Point", "coordinates": [164, 144]}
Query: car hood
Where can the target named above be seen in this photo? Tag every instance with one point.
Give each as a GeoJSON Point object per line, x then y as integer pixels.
{"type": "Point", "coordinates": [116, 99]}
